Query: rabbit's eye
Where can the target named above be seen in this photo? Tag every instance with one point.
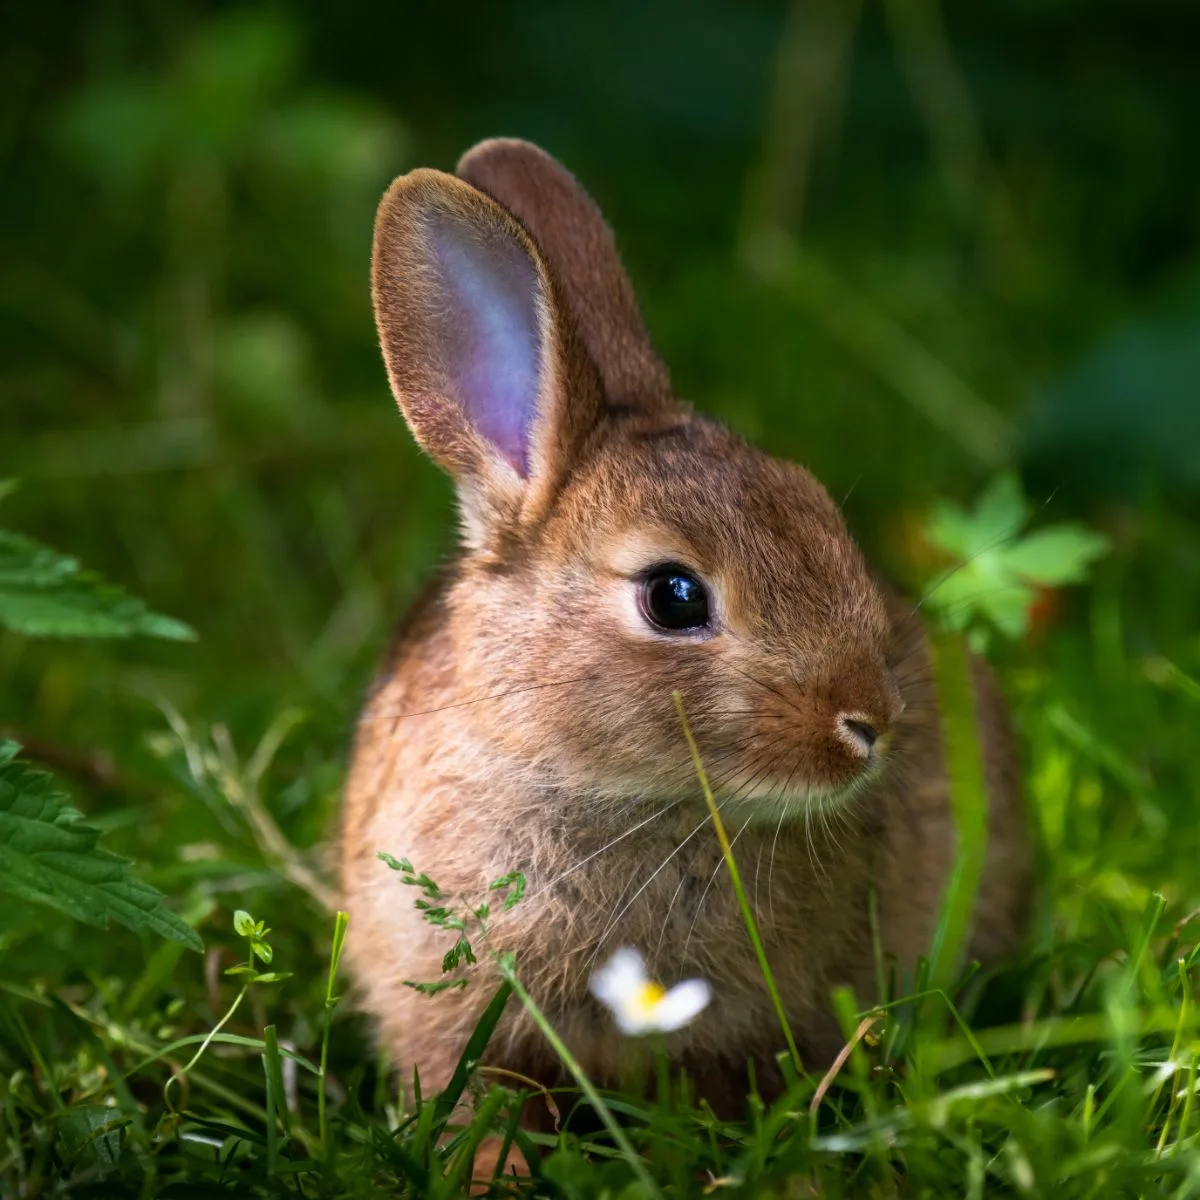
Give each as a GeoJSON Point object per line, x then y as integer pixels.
{"type": "Point", "coordinates": [672, 598]}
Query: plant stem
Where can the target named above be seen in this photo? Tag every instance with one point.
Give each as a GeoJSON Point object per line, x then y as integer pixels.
{"type": "Point", "coordinates": [212, 1033]}
{"type": "Point", "coordinates": [508, 971]}
{"type": "Point", "coordinates": [968, 803]}
{"type": "Point", "coordinates": [735, 876]}
{"type": "Point", "coordinates": [340, 923]}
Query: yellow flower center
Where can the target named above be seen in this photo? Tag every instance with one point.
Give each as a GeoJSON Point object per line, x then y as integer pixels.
{"type": "Point", "coordinates": [648, 998]}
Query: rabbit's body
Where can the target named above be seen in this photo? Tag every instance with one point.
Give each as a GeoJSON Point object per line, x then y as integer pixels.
{"type": "Point", "coordinates": [525, 722]}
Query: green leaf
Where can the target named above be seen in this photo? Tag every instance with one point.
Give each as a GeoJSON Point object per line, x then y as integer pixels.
{"type": "Point", "coordinates": [49, 854]}
{"type": "Point", "coordinates": [514, 880]}
{"type": "Point", "coordinates": [1058, 555]}
{"type": "Point", "coordinates": [1000, 513]}
{"type": "Point", "coordinates": [397, 864]}
{"type": "Point", "coordinates": [472, 1053]}
{"type": "Point", "coordinates": [1000, 568]}
{"type": "Point", "coordinates": [243, 923]}
{"type": "Point", "coordinates": [45, 594]}
{"type": "Point", "coordinates": [432, 989]}
{"type": "Point", "coordinates": [1008, 609]}
{"type": "Point", "coordinates": [92, 1134]}
{"type": "Point", "coordinates": [460, 952]}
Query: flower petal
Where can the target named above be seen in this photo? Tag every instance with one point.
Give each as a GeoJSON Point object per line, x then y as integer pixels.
{"type": "Point", "coordinates": [682, 1004]}
{"type": "Point", "coordinates": [634, 1022]}
{"type": "Point", "coordinates": [621, 979]}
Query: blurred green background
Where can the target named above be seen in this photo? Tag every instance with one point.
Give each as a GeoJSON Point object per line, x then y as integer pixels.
{"type": "Point", "coordinates": [903, 244]}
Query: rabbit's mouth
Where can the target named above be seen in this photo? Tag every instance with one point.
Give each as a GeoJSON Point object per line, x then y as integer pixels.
{"type": "Point", "coordinates": [791, 798]}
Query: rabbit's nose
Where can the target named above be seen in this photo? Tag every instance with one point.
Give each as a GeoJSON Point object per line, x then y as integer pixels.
{"type": "Point", "coordinates": [864, 731]}
{"type": "Point", "coordinates": [858, 733]}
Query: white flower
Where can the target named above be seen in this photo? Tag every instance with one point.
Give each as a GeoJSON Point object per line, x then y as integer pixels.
{"type": "Point", "coordinates": [639, 1004]}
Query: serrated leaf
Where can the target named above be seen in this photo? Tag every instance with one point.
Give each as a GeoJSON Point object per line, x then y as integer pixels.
{"type": "Point", "coordinates": [92, 1134]}
{"type": "Point", "coordinates": [46, 594]}
{"type": "Point", "coordinates": [49, 854]}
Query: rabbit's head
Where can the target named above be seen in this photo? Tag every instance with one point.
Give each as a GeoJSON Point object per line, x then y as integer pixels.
{"type": "Point", "coordinates": [616, 548]}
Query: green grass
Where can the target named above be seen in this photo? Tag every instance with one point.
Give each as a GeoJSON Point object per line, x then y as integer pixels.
{"type": "Point", "coordinates": [958, 224]}
{"type": "Point", "coordinates": [143, 1070]}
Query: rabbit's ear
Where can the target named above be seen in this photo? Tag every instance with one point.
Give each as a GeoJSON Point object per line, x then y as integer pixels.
{"type": "Point", "coordinates": [571, 232]}
{"type": "Point", "coordinates": [485, 369]}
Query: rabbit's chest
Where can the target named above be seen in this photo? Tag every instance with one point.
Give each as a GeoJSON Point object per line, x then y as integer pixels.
{"type": "Point", "coordinates": [675, 902]}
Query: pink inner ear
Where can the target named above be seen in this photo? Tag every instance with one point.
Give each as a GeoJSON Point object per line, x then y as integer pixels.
{"type": "Point", "coordinates": [488, 331]}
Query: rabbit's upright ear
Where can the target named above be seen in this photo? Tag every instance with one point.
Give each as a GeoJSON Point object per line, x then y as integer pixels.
{"type": "Point", "coordinates": [480, 356]}
{"type": "Point", "coordinates": [577, 243]}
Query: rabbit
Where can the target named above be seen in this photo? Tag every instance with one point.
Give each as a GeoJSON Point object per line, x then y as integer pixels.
{"type": "Point", "coordinates": [618, 548]}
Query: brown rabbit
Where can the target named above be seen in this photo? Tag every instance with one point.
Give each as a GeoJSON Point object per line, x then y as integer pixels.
{"type": "Point", "coordinates": [617, 548]}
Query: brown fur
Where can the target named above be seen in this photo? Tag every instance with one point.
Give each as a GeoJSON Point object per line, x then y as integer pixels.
{"type": "Point", "coordinates": [525, 720]}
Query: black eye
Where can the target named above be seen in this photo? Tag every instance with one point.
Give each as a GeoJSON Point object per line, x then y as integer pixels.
{"type": "Point", "coordinates": [673, 598]}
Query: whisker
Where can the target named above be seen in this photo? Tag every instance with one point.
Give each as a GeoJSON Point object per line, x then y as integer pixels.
{"type": "Point", "coordinates": [813, 858]}
{"type": "Point", "coordinates": [757, 874]}
{"type": "Point", "coordinates": [666, 918]}
{"type": "Point", "coordinates": [607, 846]}
{"type": "Point", "coordinates": [523, 689]}
{"type": "Point", "coordinates": [427, 712]}
{"type": "Point", "coordinates": [850, 491]}
{"type": "Point", "coordinates": [711, 879]}
{"type": "Point", "coordinates": [765, 686]}
{"type": "Point", "coordinates": [615, 921]}
{"type": "Point", "coordinates": [742, 712]}
{"type": "Point", "coordinates": [771, 867]}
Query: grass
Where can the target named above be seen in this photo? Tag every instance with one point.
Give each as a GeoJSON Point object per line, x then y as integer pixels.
{"type": "Point", "coordinates": [1073, 1071]}
{"type": "Point", "coordinates": [194, 404]}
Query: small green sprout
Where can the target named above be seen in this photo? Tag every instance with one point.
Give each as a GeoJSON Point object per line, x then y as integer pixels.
{"type": "Point", "coordinates": [433, 906]}
{"type": "Point", "coordinates": [255, 932]}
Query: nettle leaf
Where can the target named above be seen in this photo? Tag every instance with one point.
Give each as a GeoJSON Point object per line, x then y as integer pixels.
{"type": "Point", "coordinates": [46, 594]}
{"type": "Point", "coordinates": [49, 854]}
